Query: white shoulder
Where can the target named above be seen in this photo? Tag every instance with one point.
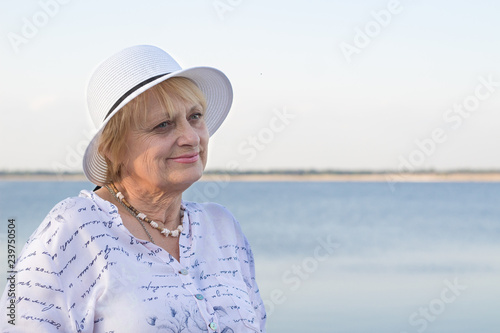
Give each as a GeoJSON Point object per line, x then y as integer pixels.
{"type": "Point", "coordinates": [67, 215]}
{"type": "Point", "coordinates": [215, 219]}
{"type": "Point", "coordinates": [210, 210]}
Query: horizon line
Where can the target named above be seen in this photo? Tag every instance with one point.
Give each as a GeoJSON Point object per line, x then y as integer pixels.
{"type": "Point", "coordinates": [283, 171]}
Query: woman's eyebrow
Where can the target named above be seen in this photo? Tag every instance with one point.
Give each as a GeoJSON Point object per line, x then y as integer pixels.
{"type": "Point", "coordinates": [196, 107]}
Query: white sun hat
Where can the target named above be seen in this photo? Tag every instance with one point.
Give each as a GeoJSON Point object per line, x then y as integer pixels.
{"type": "Point", "coordinates": [130, 72]}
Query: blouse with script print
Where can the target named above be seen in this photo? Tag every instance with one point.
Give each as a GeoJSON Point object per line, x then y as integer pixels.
{"type": "Point", "coordinates": [83, 271]}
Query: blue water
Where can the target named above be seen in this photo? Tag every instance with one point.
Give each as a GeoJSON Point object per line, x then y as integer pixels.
{"type": "Point", "coordinates": [417, 257]}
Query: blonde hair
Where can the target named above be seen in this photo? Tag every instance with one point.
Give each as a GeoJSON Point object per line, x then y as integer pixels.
{"type": "Point", "coordinates": [134, 116]}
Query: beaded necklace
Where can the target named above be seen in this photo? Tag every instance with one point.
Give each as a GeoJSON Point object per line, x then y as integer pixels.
{"type": "Point", "coordinates": [142, 217]}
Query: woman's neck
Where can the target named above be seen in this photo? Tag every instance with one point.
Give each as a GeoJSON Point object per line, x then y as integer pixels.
{"type": "Point", "coordinates": [157, 204]}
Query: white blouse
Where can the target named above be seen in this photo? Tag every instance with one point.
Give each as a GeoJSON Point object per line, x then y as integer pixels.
{"type": "Point", "coordinates": [83, 271]}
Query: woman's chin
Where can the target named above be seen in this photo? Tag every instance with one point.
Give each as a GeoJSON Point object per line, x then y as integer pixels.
{"type": "Point", "coordinates": [184, 178]}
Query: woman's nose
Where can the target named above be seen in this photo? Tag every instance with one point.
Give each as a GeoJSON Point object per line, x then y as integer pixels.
{"type": "Point", "coordinates": [187, 134]}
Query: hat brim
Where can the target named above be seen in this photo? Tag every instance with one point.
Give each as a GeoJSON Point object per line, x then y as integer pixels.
{"type": "Point", "coordinates": [218, 94]}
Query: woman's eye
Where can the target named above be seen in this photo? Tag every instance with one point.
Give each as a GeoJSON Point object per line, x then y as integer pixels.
{"type": "Point", "coordinates": [163, 124]}
{"type": "Point", "coordinates": [197, 116]}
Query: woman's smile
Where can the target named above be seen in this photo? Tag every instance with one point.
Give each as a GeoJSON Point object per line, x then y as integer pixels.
{"type": "Point", "coordinates": [186, 158]}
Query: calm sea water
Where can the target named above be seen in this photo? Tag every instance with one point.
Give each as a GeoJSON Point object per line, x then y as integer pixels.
{"type": "Point", "coordinates": [345, 257]}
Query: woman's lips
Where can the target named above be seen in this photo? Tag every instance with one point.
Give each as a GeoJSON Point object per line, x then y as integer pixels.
{"type": "Point", "coordinates": [188, 158]}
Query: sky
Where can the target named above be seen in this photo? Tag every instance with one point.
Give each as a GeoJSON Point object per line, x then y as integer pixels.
{"type": "Point", "coordinates": [328, 85]}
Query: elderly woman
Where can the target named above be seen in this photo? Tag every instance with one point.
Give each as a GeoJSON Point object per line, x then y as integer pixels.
{"type": "Point", "coordinates": [132, 256]}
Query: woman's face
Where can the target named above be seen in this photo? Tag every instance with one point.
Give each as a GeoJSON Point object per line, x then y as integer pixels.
{"type": "Point", "coordinates": [170, 153]}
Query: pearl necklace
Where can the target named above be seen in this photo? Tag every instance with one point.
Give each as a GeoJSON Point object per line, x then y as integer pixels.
{"type": "Point", "coordinates": [142, 217]}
